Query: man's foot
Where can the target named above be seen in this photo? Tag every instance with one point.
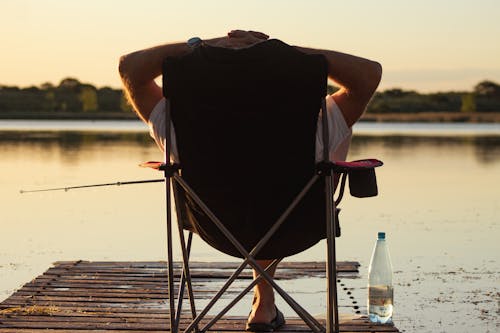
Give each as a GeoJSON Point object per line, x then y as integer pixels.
{"type": "Point", "coordinates": [264, 317]}
{"type": "Point", "coordinates": [267, 326]}
{"type": "Point", "coordinates": [262, 311]}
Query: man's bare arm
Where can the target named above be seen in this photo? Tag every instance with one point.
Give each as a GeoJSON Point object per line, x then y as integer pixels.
{"type": "Point", "coordinates": [139, 69]}
{"type": "Point", "coordinates": [358, 79]}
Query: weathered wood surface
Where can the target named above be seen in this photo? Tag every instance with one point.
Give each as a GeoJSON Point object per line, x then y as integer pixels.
{"type": "Point", "coordinates": [131, 297]}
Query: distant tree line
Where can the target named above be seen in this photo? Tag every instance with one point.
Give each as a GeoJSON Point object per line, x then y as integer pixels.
{"type": "Point", "coordinates": [73, 96]}
{"type": "Point", "coordinates": [69, 96]}
{"type": "Point", "coordinates": [484, 98]}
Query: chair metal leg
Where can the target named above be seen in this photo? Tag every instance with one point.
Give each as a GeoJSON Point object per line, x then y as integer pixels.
{"type": "Point", "coordinates": [217, 296]}
{"type": "Point", "coordinates": [186, 275]}
{"type": "Point", "coordinates": [308, 319]}
{"type": "Point", "coordinates": [170, 268]}
{"type": "Point", "coordinates": [185, 279]}
{"type": "Point", "coordinates": [311, 321]}
{"type": "Point", "coordinates": [332, 322]}
{"type": "Point", "coordinates": [313, 324]}
{"type": "Point", "coordinates": [239, 297]}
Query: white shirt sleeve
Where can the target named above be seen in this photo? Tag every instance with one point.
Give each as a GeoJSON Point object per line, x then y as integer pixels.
{"type": "Point", "coordinates": [339, 140]}
{"type": "Point", "coordinates": [156, 124]}
{"type": "Point", "coordinates": [340, 134]}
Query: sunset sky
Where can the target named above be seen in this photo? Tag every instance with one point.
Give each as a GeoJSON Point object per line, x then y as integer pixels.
{"type": "Point", "coordinates": [423, 45]}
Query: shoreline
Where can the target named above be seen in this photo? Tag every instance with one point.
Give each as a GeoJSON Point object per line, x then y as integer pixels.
{"type": "Point", "coordinates": [434, 117]}
{"type": "Point", "coordinates": [428, 117]}
{"type": "Point", "coordinates": [68, 116]}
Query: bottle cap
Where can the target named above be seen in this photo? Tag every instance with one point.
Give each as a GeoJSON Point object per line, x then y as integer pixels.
{"type": "Point", "coordinates": [381, 235]}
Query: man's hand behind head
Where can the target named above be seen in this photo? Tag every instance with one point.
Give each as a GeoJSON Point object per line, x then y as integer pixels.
{"type": "Point", "coordinates": [237, 39]}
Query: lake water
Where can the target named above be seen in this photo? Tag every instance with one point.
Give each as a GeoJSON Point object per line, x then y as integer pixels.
{"type": "Point", "coordinates": [439, 204]}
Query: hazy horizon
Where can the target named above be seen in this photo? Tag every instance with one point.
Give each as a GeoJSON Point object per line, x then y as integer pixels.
{"type": "Point", "coordinates": [406, 80]}
{"type": "Point", "coordinates": [425, 46]}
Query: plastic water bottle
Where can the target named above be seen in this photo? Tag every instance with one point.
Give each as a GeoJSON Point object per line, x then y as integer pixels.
{"type": "Point", "coordinates": [380, 290]}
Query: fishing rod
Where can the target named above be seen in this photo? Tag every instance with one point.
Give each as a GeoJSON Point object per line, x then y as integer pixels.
{"type": "Point", "coordinates": [95, 185]}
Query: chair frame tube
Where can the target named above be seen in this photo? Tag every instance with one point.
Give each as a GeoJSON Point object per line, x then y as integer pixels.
{"type": "Point", "coordinates": [239, 297]}
{"type": "Point", "coordinates": [174, 318]}
{"type": "Point", "coordinates": [308, 319]}
{"type": "Point", "coordinates": [170, 269]}
{"type": "Point", "coordinates": [332, 315]}
{"type": "Point", "coordinates": [185, 278]}
{"type": "Point", "coordinates": [186, 275]}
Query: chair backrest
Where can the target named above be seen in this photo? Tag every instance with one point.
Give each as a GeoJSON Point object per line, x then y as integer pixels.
{"type": "Point", "coordinates": [246, 122]}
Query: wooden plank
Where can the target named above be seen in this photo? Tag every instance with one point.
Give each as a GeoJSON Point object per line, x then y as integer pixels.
{"type": "Point", "coordinates": [15, 330]}
{"type": "Point", "coordinates": [150, 324]}
{"type": "Point", "coordinates": [194, 264]}
{"type": "Point", "coordinates": [347, 266]}
{"type": "Point", "coordinates": [80, 296]}
{"type": "Point", "coordinates": [284, 329]}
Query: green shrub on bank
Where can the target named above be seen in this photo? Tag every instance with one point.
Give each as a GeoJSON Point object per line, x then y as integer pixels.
{"type": "Point", "coordinates": [72, 96]}
{"type": "Point", "coordinates": [69, 96]}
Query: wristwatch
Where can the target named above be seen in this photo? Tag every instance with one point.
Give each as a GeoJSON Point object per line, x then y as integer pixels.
{"type": "Point", "coordinates": [194, 42]}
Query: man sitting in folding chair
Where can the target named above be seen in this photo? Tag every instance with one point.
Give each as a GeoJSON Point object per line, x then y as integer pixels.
{"type": "Point", "coordinates": [357, 77]}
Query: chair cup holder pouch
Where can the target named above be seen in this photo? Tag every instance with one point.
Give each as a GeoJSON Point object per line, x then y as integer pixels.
{"type": "Point", "coordinates": [363, 183]}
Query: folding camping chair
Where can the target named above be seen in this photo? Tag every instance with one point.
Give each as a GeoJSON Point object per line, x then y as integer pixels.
{"type": "Point", "coordinates": [249, 185]}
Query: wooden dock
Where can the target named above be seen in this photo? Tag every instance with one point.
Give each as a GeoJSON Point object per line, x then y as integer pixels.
{"type": "Point", "coordinates": [131, 297]}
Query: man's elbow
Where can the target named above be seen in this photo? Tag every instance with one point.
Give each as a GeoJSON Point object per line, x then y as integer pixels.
{"type": "Point", "coordinates": [374, 75]}
{"type": "Point", "coordinates": [124, 67]}
{"type": "Point", "coordinates": [369, 80]}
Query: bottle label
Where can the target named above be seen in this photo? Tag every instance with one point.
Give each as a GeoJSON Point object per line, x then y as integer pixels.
{"type": "Point", "coordinates": [380, 295]}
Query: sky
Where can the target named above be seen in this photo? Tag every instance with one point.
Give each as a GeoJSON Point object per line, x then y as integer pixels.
{"type": "Point", "coordinates": [424, 45]}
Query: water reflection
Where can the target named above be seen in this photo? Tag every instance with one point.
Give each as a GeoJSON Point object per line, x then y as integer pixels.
{"type": "Point", "coordinates": [486, 149]}
{"type": "Point", "coordinates": [438, 203]}
{"type": "Point", "coordinates": [68, 146]}
{"type": "Point", "coordinates": [72, 139]}
{"type": "Point", "coordinates": [423, 178]}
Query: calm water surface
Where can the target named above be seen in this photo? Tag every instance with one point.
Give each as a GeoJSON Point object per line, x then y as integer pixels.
{"type": "Point", "coordinates": [439, 204]}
